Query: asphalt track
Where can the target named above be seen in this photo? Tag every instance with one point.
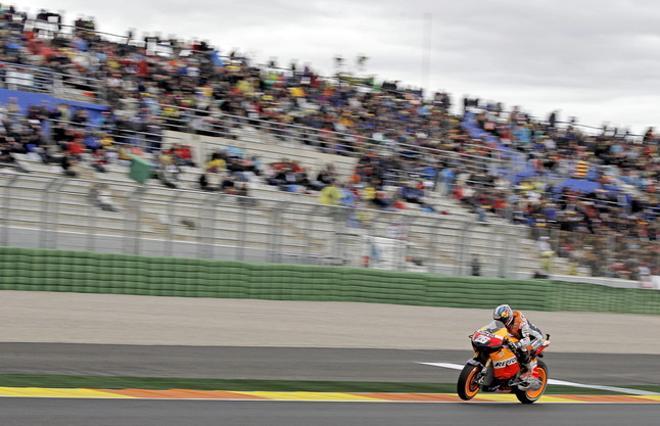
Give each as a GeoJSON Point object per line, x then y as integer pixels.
{"type": "Point", "coordinates": [299, 363]}
{"type": "Point", "coordinates": [71, 412]}
{"type": "Point", "coordinates": [154, 320]}
{"type": "Point", "coordinates": [219, 335]}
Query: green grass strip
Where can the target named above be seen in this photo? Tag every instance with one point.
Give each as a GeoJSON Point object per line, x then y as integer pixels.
{"type": "Point", "coordinates": [117, 382]}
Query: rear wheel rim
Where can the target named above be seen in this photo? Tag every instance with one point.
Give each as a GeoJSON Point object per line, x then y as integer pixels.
{"type": "Point", "coordinates": [471, 386]}
{"type": "Point", "coordinates": [543, 377]}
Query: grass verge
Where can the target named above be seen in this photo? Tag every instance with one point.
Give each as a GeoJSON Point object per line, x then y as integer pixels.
{"type": "Point", "coordinates": [119, 382]}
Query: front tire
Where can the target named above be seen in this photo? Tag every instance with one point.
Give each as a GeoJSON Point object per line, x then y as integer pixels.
{"type": "Point", "coordinates": [467, 388]}
{"type": "Point", "coordinates": [531, 396]}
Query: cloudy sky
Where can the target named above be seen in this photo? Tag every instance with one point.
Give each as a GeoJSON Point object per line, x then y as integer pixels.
{"type": "Point", "coordinates": [598, 60]}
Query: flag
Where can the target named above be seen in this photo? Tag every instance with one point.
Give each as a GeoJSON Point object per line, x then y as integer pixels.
{"type": "Point", "coordinates": [216, 59]}
{"type": "Point", "coordinates": [581, 169]}
{"type": "Point", "coordinates": [140, 170]}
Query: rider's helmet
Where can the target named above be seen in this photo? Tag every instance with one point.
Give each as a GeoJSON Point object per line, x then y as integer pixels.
{"type": "Point", "coordinates": [503, 313]}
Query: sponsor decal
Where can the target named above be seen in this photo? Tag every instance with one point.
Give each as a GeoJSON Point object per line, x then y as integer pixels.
{"type": "Point", "coordinates": [482, 339]}
{"type": "Point", "coordinates": [504, 363]}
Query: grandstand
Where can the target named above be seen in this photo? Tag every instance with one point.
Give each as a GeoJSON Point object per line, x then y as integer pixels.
{"type": "Point", "coordinates": [520, 195]}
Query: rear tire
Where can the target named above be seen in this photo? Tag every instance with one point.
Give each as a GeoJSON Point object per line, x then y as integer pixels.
{"type": "Point", "coordinates": [531, 396]}
{"type": "Point", "coordinates": [466, 387]}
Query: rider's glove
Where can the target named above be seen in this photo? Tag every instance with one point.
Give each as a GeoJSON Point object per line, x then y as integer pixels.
{"type": "Point", "coordinates": [515, 346]}
{"type": "Point", "coordinates": [525, 356]}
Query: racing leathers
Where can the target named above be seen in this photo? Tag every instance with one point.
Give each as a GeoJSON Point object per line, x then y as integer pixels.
{"type": "Point", "coordinates": [529, 338]}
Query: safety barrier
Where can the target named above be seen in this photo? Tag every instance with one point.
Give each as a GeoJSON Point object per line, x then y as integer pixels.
{"type": "Point", "coordinates": [86, 272]}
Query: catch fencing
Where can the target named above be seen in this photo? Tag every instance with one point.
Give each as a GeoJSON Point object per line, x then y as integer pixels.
{"type": "Point", "coordinates": [271, 226]}
{"type": "Point", "coordinates": [30, 78]}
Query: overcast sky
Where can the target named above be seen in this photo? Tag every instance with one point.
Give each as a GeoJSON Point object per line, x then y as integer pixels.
{"type": "Point", "coordinates": [595, 59]}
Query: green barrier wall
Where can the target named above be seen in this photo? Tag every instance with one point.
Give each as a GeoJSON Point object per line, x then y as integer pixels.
{"type": "Point", "coordinates": [51, 270]}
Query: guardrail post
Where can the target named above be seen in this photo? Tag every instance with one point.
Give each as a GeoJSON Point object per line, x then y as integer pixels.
{"type": "Point", "coordinates": [242, 228]}
{"type": "Point", "coordinates": [611, 248]}
{"type": "Point", "coordinates": [433, 267]}
{"type": "Point", "coordinates": [45, 219]}
{"type": "Point", "coordinates": [214, 217]}
{"type": "Point", "coordinates": [462, 242]}
{"type": "Point", "coordinates": [91, 224]}
{"type": "Point", "coordinates": [510, 252]}
{"type": "Point", "coordinates": [655, 258]}
{"type": "Point", "coordinates": [5, 208]}
{"type": "Point", "coordinates": [341, 215]}
{"type": "Point", "coordinates": [171, 223]}
{"type": "Point", "coordinates": [138, 218]}
{"type": "Point", "coordinates": [502, 238]}
{"type": "Point", "coordinates": [276, 231]}
{"type": "Point", "coordinates": [56, 214]}
{"type": "Point", "coordinates": [408, 221]}
{"type": "Point", "coordinates": [134, 213]}
{"type": "Point", "coordinates": [203, 217]}
{"type": "Point", "coordinates": [307, 228]}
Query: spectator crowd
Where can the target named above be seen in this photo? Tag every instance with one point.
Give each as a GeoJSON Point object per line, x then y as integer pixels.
{"type": "Point", "coordinates": [592, 195]}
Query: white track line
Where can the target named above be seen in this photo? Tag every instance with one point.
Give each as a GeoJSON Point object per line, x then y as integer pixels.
{"type": "Point", "coordinates": [555, 382]}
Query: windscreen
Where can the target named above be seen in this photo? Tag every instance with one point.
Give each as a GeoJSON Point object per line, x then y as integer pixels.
{"type": "Point", "coordinates": [493, 326]}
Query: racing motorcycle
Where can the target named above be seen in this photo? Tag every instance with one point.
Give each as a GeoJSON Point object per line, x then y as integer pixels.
{"type": "Point", "coordinates": [495, 367]}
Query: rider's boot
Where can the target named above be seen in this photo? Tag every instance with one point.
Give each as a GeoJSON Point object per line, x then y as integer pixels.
{"type": "Point", "coordinates": [527, 379]}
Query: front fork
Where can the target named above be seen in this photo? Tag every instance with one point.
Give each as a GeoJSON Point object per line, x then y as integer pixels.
{"type": "Point", "coordinates": [483, 373]}
{"type": "Point", "coordinates": [477, 361]}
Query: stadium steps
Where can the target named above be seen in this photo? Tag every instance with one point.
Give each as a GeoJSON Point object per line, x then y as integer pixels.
{"type": "Point", "coordinates": [185, 223]}
{"type": "Point", "coordinates": [268, 149]}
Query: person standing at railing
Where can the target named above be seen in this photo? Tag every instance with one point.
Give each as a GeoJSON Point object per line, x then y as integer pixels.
{"type": "Point", "coordinates": [475, 266]}
{"type": "Point", "coordinates": [448, 175]}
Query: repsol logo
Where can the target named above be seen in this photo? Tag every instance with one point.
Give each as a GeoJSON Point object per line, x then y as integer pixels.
{"type": "Point", "coordinates": [505, 363]}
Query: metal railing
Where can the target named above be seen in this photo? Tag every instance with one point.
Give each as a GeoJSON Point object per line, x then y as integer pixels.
{"type": "Point", "coordinates": [192, 120]}
{"type": "Point", "coordinates": [62, 213]}
{"type": "Point", "coordinates": [31, 78]}
{"type": "Point", "coordinates": [234, 127]}
{"type": "Point", "coordinates": [604, 265]}
{"type": "Point", "coordinates": [611, 254]}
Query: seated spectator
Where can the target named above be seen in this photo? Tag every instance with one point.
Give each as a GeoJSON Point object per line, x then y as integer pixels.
{"type": "Point", "coordinates": [167, 171]}
{"type": "Point", "coordinates": [68, 163]}
{"type": "Point", "coordinates": [216, 164]}
{"type": "Point", "coordinates": [100, 159]}
{"type": "Point", "coordinates": [228, 186]}
{"type": "Point", "coordinates": [330, 195]}
{"type": "Point", "coordinates": [411, 194]}
{"type": "Point", "coordinates": [204, 183]}
{"type": "Point", "coordinates": [182, 155]}
{"type": "Point", "coordinates": [324, 177]}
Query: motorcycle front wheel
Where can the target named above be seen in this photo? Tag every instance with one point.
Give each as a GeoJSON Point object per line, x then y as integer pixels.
{"type": "Point", "coordinates": [467, 387]}
{"type": "Point", "coordinates": [531, 396]}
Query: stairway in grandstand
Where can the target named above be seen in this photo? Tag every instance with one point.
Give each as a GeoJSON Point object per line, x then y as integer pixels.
{"type": "Point", "coordinates": [305, 231]}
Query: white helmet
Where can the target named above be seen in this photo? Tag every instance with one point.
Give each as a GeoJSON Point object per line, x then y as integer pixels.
{"type": "Point", "coordinates": [503, 313]}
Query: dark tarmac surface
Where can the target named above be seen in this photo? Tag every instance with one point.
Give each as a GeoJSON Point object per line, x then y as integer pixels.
{"type": "Point", "coordinates": [72, 412]}
{"type": "Point", "coordinates": [299, 363]}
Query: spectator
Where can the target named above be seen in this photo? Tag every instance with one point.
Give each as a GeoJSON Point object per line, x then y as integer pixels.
{"type": "Point", "coordinates": [490, 160]}
{"type": "Point", "coordinates": [68, 163]}
{"type": "Point", "coordinates": [330, 195]}
{"type": "Point", "coordinates": [101, 197]}
{"type": "Point", "coordinates": [475, 266]}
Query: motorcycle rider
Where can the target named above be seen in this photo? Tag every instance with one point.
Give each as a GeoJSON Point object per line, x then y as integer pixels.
{"type": "Point", "coordinates": [529, 337]}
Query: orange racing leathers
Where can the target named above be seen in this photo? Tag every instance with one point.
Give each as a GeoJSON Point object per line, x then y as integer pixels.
{"type": "Point", "coordinates": [529, 336]}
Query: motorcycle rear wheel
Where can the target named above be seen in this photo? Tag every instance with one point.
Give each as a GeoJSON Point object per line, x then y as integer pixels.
{"type": "Point", "coordinates": [531, 396]}
{"type": "Point", "coordinates": [466, 387]}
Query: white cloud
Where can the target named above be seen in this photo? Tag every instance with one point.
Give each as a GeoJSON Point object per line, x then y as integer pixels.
{"type": "Point", "coordinates": [593, 59]}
